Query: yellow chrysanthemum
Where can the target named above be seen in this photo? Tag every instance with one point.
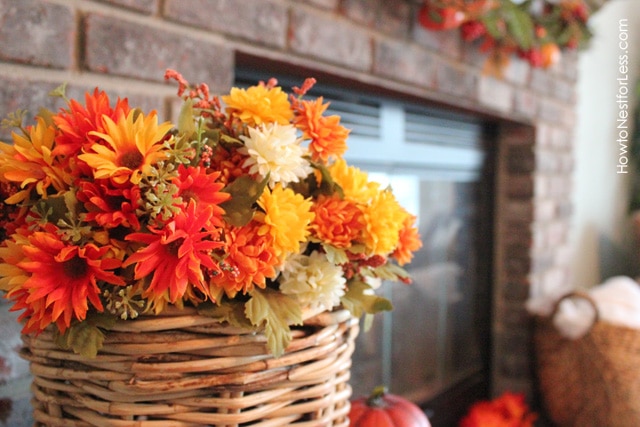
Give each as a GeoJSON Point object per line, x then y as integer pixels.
{"type": "Point", "coordinates": [29, 163]}
{"type": "Point", "coordinates": [259, 104]}
{"type": "Point", "coordinates": [286, 219]}
{"type": "Point", "coordinates": [133, 145]}
{"type": "Point", "coordinates": [354, 182]}
{"type": "Point", "coordinates": [384, 218]}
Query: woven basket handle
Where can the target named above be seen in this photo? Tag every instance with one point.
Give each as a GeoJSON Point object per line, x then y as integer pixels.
{"type": "Point", "coordinates": [580, 295]}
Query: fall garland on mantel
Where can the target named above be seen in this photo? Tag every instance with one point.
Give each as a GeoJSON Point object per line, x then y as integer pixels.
{"type": "Point", "coordinates": [535, 30]}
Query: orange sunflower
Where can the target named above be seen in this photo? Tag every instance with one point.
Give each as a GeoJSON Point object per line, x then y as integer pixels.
{"type": "Point", "coordinates": [63, 280]}
{"type": "Point", "coordinates": [133, 144]}
{"type": "Point", "coordinates": [29, 163]}
{"type": "Point", "coordinates": [77, 125]}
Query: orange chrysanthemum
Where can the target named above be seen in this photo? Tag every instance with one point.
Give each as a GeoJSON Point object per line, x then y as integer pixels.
{"type": "Point", "coordinates": [250, 260]}
{"type": "Point", "coordinates": [408, 241]}
{"type": "Point", "coordinates": [338, 222]}
{"type": "Point", "coordinates": [259, 104]}
{"type": "Point", "coordinates": [63, 281]}
{"type": "Point", "coordinates": [176, 256]}
{"type": "Point", "coordinates": [133, 144]}
{"type": "Point", "coordinates": [229, 163]}
{"type": "Point", "coordinates": [328, 137]}
{"type": "Point", "coordinates": [79, 124]}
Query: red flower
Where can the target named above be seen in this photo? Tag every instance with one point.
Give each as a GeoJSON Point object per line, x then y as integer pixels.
{"type": "Point", "coordinates": [174, 256]}
{"type": "Point", "coordinates": [508, 410]}
{"type": "Point", "coordinates": [64, 278]}
{"type": "Point", "coordinates": [195, 184]}
{"type": "Point", "coordinates": [108, 205]}
{"type": "Point", "coordinates": [76, 124]}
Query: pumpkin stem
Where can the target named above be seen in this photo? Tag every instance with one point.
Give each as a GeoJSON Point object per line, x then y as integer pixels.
{"type": "Point", "coordinates": [377, 394]}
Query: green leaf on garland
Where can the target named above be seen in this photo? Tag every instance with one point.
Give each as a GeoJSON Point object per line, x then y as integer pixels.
{"type": "Point", "coordinates": [360, 298]}
{"type": "Point", "coordinates": [86, 338]}
{"type": "Point", "coordinates": [275, 312]}
{"type": "Point", "coordinates": [520, 26]}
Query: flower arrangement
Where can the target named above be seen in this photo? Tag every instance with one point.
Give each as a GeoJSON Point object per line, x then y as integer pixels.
{"type": "Point", "coordinates": [244, 209]}
{"type": "Point", "coordinates": [536, 30]}
{"type": "Point", "coordinates": [507, 410]}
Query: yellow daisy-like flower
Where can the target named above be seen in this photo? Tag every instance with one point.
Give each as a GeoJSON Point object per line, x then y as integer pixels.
{"type": "Point", "coordinates": [133, 146]}
{"type": "Point", "coordinates": [29, 163]}
{"type": "Point", "coordinates": [384, 218]}
{"type": "Point", "coordinates": [354, 182]}
{"type": "Point", "coordinates": [286, 217]}
{"type": "Point", "coordinates": [259, 104]}
{"type": "Point", "coordinates": [11, 276]}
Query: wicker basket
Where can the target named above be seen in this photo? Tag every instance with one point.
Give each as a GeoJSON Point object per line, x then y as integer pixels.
{"type": "Point", "coordinates": [593, 381]}
{"type": "Point", "coordinates": [182, 369]}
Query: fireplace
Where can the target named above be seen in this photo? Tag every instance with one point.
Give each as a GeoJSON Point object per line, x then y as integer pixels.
{"type": "Point", "coordinates": [526, 121]}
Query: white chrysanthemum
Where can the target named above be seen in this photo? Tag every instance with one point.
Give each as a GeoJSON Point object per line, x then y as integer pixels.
{"type": "Point", "coordinates": [313, 280]}
{"type": "Point", "coordinates": [275, 150]}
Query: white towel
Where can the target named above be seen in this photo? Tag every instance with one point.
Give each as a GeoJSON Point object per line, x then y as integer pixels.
{"type": "Point", "coordinates": [617, 300]}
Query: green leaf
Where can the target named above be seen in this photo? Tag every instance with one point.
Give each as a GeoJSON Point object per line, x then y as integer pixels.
{"type": "Point", "coordinates": [86, 338]}
{"type": "Point", "coordinates": [328, 185]}
{"type": "Point", "coordinates": [491, 22]}
{"type": "Point", "coordinates": [275, 311]}
{"type": "Point", "coordinates": [244, 194]}
{"type": "Point", "coordinates": [520, 26]}
{"type": "Point", "coordinates": [46, 115]}
{"type": "Point", "coordinates": [232, 312]}
{"type": "Point", "coordinates": [59, 92]}
{"type": "Point", "coordinates": [186, 122]}
{"type": "Point", "coordinates": [14, 119]}
{"type": "Point", "coordinates": [390, 271]}
{"type": "Point", "coordinates": [335, 255]}
{"type": "Point", "coordinates": [52, 209]}
{"type": "Point", "coordinates": [360, 298]}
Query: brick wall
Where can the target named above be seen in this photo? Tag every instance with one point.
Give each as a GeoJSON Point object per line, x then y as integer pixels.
{"type": "Point", "coordinates": [124, 47]}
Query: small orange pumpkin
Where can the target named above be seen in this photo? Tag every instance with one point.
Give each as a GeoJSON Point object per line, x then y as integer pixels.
{"type": "Point", "coordinates": [382, 409]}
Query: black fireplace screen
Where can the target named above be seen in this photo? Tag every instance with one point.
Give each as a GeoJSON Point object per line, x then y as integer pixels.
{"type": "Point", "coordinates": [433, 348]}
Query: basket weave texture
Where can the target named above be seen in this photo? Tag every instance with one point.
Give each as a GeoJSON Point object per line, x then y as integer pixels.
{"type": "Point", "coordinates": [593, 381]}
{"type": "Point", "coordinates": [182, 369]}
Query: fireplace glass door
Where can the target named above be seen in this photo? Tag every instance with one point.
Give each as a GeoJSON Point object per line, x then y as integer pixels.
{"type": "Point", "coordinates": [433, 347]}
